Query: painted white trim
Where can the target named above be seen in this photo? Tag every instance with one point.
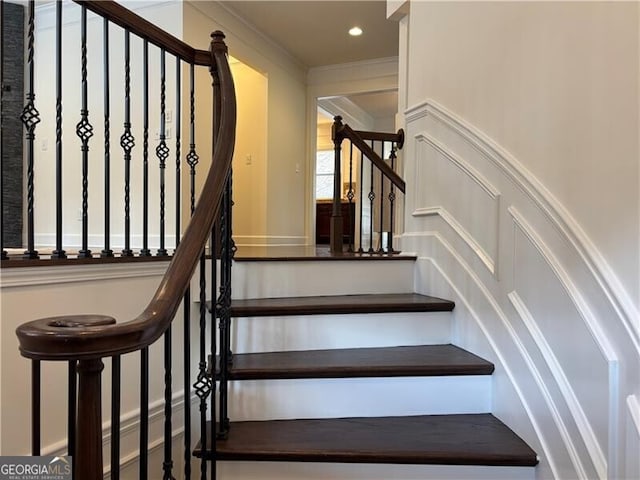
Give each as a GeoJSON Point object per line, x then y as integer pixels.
{"type": "Point", "coordinates": [633, 405]}
{"type": "Point", "coordinates": [586, 432]}
{"type": "Point", "coordinates": [457, 227]}
{"type": "Point", "coordinates": [130, 424]}
{"type": "Point", "coordinates": [73, 241]}
{"type": "Point", "coordinates": [351, 114]}
{"type": "Point", "coordinates": [462, 165]}
{"type": "Point", "coordinates": [375, 68]}
{"type": "Point", "coordinates": [555, 212]}
{"type": "Point", "coordinates": [489, 298]}
{"type": "Point", "coordinates": [28, 276]}
{"type": "Point", "coordinates": [598, 335]}
{"type": "Point", "coordinates": [269, 240]}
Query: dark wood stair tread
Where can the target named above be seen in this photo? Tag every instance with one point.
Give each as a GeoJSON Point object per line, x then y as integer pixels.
{"type": "Point", "coordinates": [338, 304]}
{"type": "Point", "coordinates": [422, 360]}
{"type": "Point", "coordinates": [469, 439]}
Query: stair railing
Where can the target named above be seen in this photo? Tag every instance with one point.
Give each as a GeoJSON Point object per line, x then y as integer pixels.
{"type": "Point", "coordinates": [366, 184]}
{"type": "Point", "coordinates": [84, 341]}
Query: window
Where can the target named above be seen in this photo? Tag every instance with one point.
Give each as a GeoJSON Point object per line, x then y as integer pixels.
{"type": "Point", "coordinates": [324, 174]}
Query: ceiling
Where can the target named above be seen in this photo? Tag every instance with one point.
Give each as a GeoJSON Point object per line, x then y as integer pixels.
{"type": "Point", "coordinates": [315, 32]}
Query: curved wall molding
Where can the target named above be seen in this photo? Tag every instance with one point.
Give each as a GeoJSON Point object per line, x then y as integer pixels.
{"type": "Point", "coordinates": [531, 283]}
{"type": "Point", "coordinates": [546, 202]}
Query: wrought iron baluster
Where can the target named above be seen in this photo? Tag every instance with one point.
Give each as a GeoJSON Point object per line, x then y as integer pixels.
{"type": "Point", "coordinates": [167, 464]}
{"type": "Point", "coordinates": [144, 414]}
{"type": "Point", "coordinates": [107, 251]}
{"type": "Point", "coordinates": [30, 117]}
{"type": "Point", "coordinates": [372, 197]}
{"type": "Point", "coordinates": [178, 122]}
{"type": "Point", "coordinates": [224, 304]}
{"type": "Point", "coordinates": [84, 130]}
{"type": "Point", "coordinates": [192, 156]}
{"type": "Point", "coordinates": [72, 399]}
{"type": "Point", "coordinates": [4, 255]}
{"type": "Point", "coordinates": [35, 407]}
{"type": "Point", "coordinates": [145, 252]}
{"type": "Point", "coordinates": [392, 199]}
{"type": "Point", "coordinates": [350, 195]}
{"type": "Point", "coordinates": [115, 417]}
{"type": "Point", "coordinates": [213, 249]}
{"type": "Point", "coordinates": [203, 382]}
{"type": "Point", "coordinates": [162, 152]}
{"type": "Point", "coordinates": [186, 373]}
{"type": "Point", "coordinates": [381, 235]}
{"type": "Point", "coordinates": [127, 142]}
{"type": "Point", "coordinates": [59, 252]}
{"type": "Point", "coordinates": [360, 249]}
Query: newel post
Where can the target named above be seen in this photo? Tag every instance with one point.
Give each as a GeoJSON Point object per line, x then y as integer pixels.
{"type": "Point", "coordinates": [88, 455]}
{"type": "Point", "coordinates": [335, 239]}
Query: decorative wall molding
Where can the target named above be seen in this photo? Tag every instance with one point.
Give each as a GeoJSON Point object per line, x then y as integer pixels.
{"type": "Point", "coordinates": [588, 436]}
{"type": "Point", "coordinates": [269, 240]}
{"type": "Point", "coordinates": [130, 425]}
{"type": "Point", "coordinates": [553, 210]}
{"type": "Point", "coordinates": [30, 276]}
{"type": "Point", "coordinates": [442, 212]}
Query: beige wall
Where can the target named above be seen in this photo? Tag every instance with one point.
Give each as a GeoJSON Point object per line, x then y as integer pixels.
{"type": "Point", "coordinates": [556, 84]}
{"type": "Point", "coordinates": [285, 158]}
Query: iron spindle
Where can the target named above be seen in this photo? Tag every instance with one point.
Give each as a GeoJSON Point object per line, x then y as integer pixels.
{"type": "Point", "coordinates": [213, 248]}
{"type": "Point", "coordinates": [127, 142]}
{"type": "Point", "coordinates": [392, 199]}
{"type": "Point", "coordinates": [30, 117]}
{"type": "Point", "coordinates": [372, 197]}
{"type": "Point", "coordinates": [167, 464]}
{"type": "Point", "coordinates": [35, 407]}
{"type": "Point", "coordinates": [203, 382]}
{"type": "Point", "coordinates": [72, 401]}
{"type": "Point", "coordinates": [59, 252]}
{"type": "Point", "coordinates": [145, 252]}
{"type": "Point", "coordinates": [115, 417]}
{"type": "Point", "coordinates": [192, 156]}
{"type": "Point", "coordinates": [186, 373]}
{"type": "Point", "coordinates": [360, 249]}
{"type": "Point", "coordinates": [162, 152]}
{"type": "Point", "coordinates": [380, 236]}
{"type": "Point", "coordinates": [144, 414]}
{"type": "Point", "coordinates": [178, 123]}
{"type": "Point", "coordinates": [107, 251]}
{"type": "Point", "coordinates": [84, 130]}
{"type": "Point", "coordinates": [350, 196]}
{"type": "Point", "coordinates": [4, 255]}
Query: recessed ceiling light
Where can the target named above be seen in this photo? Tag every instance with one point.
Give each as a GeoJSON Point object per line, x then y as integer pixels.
{"type": "Point", "coordinates": [355, 31]}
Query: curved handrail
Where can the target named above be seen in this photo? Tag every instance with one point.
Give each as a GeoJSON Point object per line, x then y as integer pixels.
{"type": "Point", "coordinates": [84, 337]}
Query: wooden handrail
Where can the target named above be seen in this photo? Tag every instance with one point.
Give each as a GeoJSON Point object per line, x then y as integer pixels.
{"type": "Point", "coordinates": [397, 137]}
{"type": "Point", "coordinates": [345, 131]}
{"type": "Point", "coordinates": [146, 30]}
{"type": "Point", "coordinates": [88, 337]}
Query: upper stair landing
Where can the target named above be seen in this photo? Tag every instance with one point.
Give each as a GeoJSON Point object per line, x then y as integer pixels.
{"type": "Point", "coordinates": [271, 272]}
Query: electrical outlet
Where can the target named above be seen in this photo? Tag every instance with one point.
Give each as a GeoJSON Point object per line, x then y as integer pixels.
{"type": "Point", "coordinates": [248, 159]}
{"type": "Point", "coordinates": [168, 116]}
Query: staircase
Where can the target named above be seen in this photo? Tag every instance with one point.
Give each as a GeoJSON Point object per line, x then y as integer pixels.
{"type": "Point", "coordinates": [348, 377]}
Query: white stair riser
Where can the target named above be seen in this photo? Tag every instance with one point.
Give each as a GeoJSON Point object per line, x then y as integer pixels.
{"type": "Point", "coordinates": [358, 397]}
{"type": "Point", "coordinates": [343, 471]}
{"type": "Point", "coordinates": [314, 332]}
{"type": "Point", "coordinates": [288, 279]}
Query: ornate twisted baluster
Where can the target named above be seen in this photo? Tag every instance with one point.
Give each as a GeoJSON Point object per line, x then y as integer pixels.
{"type": "Point", "coordinates": [84, 130]}
{"type": "Point", "coordinates": [59, 253]}
{"type": "Point", "coordinates": [145, 252]}
{"type": "Point", "coordinates": [162, 152]}
{"type": "Point", "coordinates": [392, 199]}
{"type": "Point", "coordinates": [107, 251]}
{"type": "Point", "coordinates": [30, 117]}
{"type": "Point", "coordinates": [127, 142]}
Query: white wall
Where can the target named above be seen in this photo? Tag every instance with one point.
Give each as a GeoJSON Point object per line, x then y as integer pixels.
{"type": "Point", "coordinates": [121, 291]}
{"type": "Point", "coordinates": [286, 131]}
{"type": "Point", "coordinates": [168, 16]}
{"type": "Point", "coordinates": [522, 204]}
